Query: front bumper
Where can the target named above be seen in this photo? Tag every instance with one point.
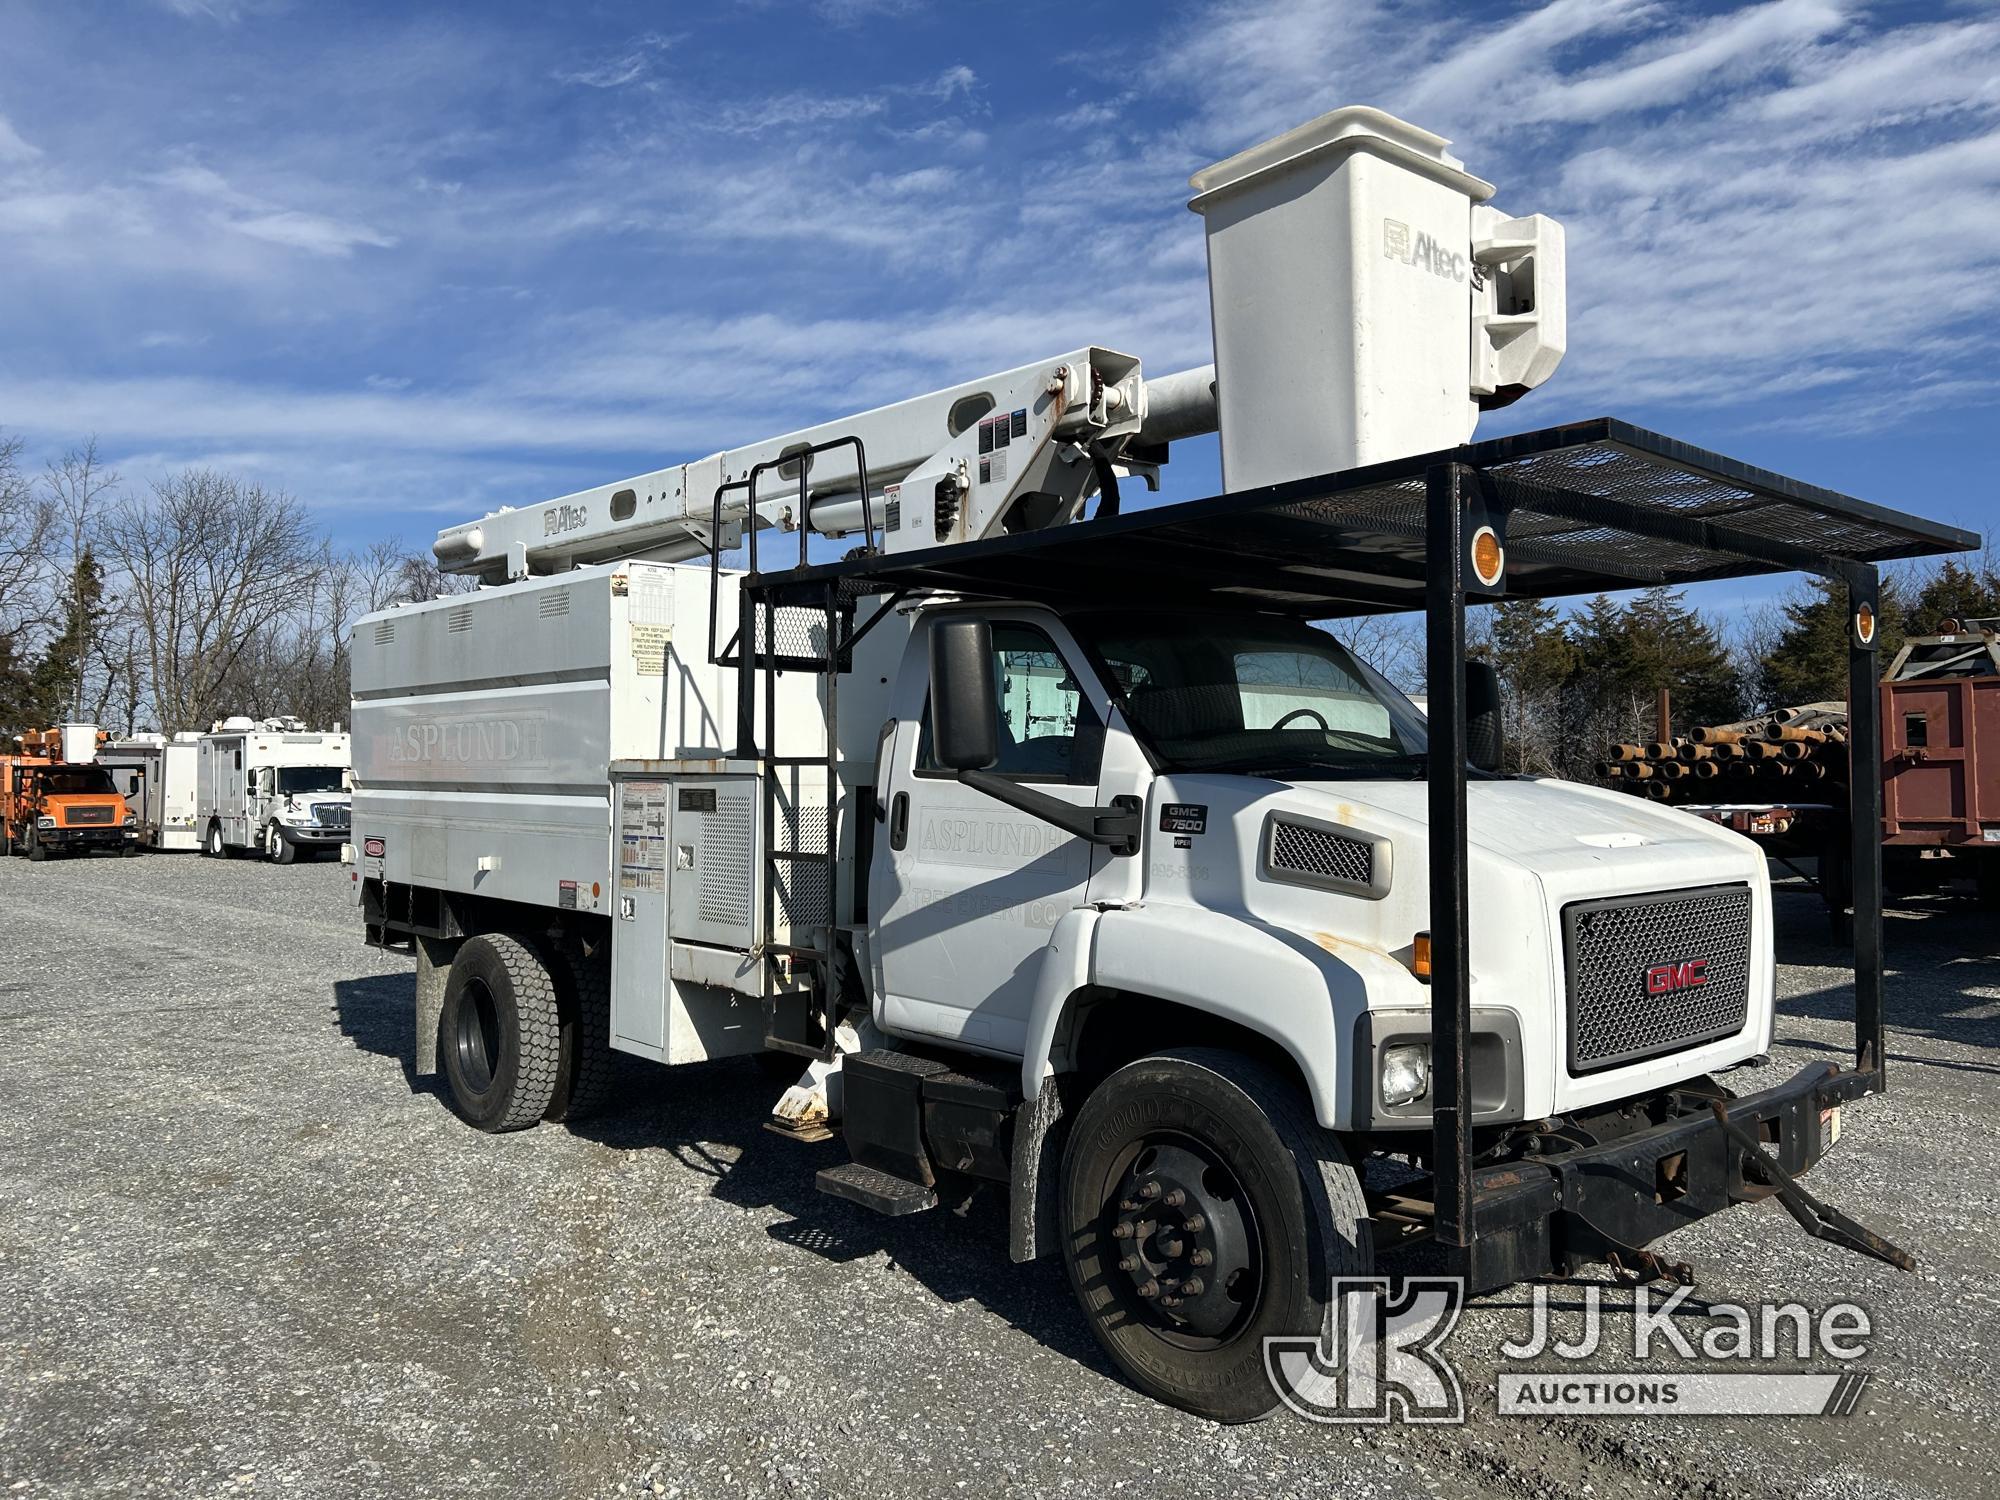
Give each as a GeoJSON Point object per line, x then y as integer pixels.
{"type": "Point", "coordinates": [80, 840]}
{"type": "Point", "coordinates": [1553, 1212]}
{"type": "Point", "coordinates": [313, 835]}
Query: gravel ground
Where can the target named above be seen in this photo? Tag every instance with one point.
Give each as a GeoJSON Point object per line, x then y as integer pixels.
{"type": "Point", "coordinates": [244, 1250]}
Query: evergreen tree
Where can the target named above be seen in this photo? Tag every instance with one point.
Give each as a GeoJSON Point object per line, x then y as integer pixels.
{"type": "Point", "coordinates": [53, 683]}
{"type": "Point", "coordinates": [1529, 646]}
{"type": "Point", "coordinates": [1808, 661]}
{"type": "Point", "coordinates": [1955, 592]}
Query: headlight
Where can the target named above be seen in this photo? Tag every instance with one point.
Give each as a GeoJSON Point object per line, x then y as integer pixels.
{"type": "Point", "coordinates": [45, 822]}
{"type": "Point", "coordinates": [131, 820]}
{"type": "Point", "coordinates": [1406, 1073]}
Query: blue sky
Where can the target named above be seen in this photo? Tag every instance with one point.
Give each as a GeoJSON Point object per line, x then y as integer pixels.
{"type": "Point", "coordinates": [411, 263]}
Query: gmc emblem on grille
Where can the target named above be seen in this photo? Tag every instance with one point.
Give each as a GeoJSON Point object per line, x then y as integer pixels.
{"type": "Point", "coordinates": [1664, 979]}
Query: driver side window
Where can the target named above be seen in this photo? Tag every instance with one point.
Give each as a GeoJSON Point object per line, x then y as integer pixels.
{"type": "Point", "coordinates": [1048, 730]}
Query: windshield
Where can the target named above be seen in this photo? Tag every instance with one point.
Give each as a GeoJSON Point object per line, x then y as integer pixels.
{"type": "Point", "coordinates": [293, 780]}
{"type": "Point", "coordinates": [76, 779]}
{"type": "Point", "coordinates": [1255, 693]}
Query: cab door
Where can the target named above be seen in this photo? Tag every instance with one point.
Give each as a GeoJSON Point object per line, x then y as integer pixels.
{"type": "Point", "coordinates": [965, 890]}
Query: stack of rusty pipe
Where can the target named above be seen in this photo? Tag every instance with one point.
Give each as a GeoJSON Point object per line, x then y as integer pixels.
{"type": "Point", "coordinates": [1795, 754]}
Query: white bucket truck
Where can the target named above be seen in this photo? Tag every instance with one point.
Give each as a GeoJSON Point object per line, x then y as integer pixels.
{"type": "Point", "coordinates": [271, 787]}
{"type": "Point", "coordinates": [158, 776]}
{"type": "Point", "coordinates": [1070, 855]}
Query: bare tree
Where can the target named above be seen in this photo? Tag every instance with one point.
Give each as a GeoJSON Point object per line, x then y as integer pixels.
{"type": "Point", "coordinates": [27, 525]}
{"type": "Point", "coordinates": [77, 485]}
{"type": "Point", "coordinates": [210, 563]}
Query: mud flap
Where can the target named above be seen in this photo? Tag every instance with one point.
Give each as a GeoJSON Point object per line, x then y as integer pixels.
{"type": "Point", "coordinates": [433, 966]}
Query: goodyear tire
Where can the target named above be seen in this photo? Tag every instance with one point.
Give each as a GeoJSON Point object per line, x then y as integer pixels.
{"type": "Point", "coordinates": [584, 1064]}
{"type": "Point", "coordinates": [1204, 1210]}
{"type": "Point", "coordinates": [500, 1034]}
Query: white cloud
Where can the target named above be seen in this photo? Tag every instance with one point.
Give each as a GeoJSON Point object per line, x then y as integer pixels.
{"type": "Point", "coordinates": [629, 64]}
{"type": "Point", "coordinates": [314, 233]}
{"type": "Point", "coordinates": [12, 147]}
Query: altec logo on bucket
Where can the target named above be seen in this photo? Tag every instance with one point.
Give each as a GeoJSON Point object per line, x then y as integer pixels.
{"type": "Point", "coordinates": [1664, 979]}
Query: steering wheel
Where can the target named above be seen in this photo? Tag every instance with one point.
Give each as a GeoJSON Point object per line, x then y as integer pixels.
{"type": "Point", "coordinates": [1301, 713]}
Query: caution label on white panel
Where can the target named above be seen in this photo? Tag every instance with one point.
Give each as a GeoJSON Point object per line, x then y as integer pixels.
{"type": "Point", "coordinates": [642, 836]}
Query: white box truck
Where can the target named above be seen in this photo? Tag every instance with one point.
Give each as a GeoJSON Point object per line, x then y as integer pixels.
{"type": "Point", "coordinates": [1071, 856]}
{"type": "Point", "coordinates": [157, 777]}
{"type": "Point", "coordinates": [271, 788]}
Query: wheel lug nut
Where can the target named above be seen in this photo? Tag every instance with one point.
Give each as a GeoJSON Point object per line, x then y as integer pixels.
{"type": "Point", "coordinates": [1196, 1223]}
{"type": "Point", "coordinates": [1150, 1190]}
{"type": "Point", "coordinates": [1149, 1289]}
{"type": "Point", "coordinates": [1170, 1302]}
{"type": "Point", "coordinates": [1175, 1198]}
{"type": "Point", "coordinates": [1129, 1263]}
{"type": "Point", "coordinates": [1192, 1287]}
{"type": "Point", "coordinates": [1126, 1206]}
{"type": "Point", "coordinates": [1200, 1258]}
{"type": "Point", "coordinates": [1121, 1231]}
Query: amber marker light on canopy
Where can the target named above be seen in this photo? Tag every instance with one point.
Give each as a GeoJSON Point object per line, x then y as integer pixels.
{"type": "Point", "coordinates": [1420, 957]}
{"type": "Point", "coordinates": [1488, 558]}
{"type": "Point", "coordinates": [1864, 624]}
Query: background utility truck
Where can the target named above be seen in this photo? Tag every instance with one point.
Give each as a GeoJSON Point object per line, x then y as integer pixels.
{"type": "Point", "coordinates": [157, 777]}
{"type": "Point", "coordinates": [1070, 856]}
{"type": "Point", "coordinates": [271, 787]}
{"type": "Point", "coordinates": [54, 798]}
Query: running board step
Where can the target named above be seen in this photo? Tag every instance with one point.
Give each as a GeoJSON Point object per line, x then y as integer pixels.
{"type": "Point", "coordinates": [882, 1192]}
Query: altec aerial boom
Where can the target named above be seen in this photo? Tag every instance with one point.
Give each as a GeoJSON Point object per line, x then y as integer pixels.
{"type": "Point", "coordinates": [1067, 855]}
{"type": "Point", "coordinates": [1435, 306]}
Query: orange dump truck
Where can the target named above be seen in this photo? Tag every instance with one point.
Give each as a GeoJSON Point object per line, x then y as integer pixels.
{"type": "Point", "coordinates": [55, 799]}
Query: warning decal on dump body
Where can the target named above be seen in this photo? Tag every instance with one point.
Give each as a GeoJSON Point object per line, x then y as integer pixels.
{"type": "Point", "coordinates": [651, 613]}
{"type": "Point", "coordinates": [374, 848]}
{"type": "Point", "coordinates": [642, 836]}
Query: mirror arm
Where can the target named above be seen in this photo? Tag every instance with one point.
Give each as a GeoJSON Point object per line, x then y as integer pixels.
{"type": "Point", "coordinates": [1115, 827]}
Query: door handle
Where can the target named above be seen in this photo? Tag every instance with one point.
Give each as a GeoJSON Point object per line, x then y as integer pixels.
{"type": "Point", "coordinates": [899, 820]}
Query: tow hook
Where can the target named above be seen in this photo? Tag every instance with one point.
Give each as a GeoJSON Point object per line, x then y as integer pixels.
{"type": "Point", "coordinates": [1813, 1216]}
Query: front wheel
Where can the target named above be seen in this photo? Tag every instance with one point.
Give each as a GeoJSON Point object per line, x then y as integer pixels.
{"type": "Point", "coordinates": [1205, 1211]}
{"type": "Point", "coordinates": [37, 850]}
{"type": "Point", "coordinates": [281, 849]}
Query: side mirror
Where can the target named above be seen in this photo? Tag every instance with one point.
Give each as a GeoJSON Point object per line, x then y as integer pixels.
{"type": "Point", "coordinates": [965, 701]}
{"type": "Point", "coordinates": [1485, 742]}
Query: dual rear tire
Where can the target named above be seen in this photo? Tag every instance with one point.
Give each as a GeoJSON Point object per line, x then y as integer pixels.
{"type": "Point", "coordinates": [525, 1032]}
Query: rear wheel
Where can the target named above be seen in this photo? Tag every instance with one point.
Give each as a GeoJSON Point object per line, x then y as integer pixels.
{"type": "Point", "coordinates": [500, 1033]}
{"type": "Point", "coordinates": [211, 842]}
{"type": "Point", "coordinates": [1204, 1211]}
{"type": "Point", "coordinates": [583, 1006]}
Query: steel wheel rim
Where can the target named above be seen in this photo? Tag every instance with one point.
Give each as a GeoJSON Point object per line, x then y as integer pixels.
{"type": "Point", "coordinates": [1152, 1246]}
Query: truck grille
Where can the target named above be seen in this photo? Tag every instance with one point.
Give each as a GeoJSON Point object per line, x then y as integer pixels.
{"type": "Point", "coordinates": [79, 816]}
{"type": "Point", "coordinates": [1655, 974]}
{"type": "Point", "coordinates": [329, 815]}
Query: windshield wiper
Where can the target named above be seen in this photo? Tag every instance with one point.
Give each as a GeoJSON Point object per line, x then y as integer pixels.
{"type": "Point", "coordinates": [1411, 764]}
